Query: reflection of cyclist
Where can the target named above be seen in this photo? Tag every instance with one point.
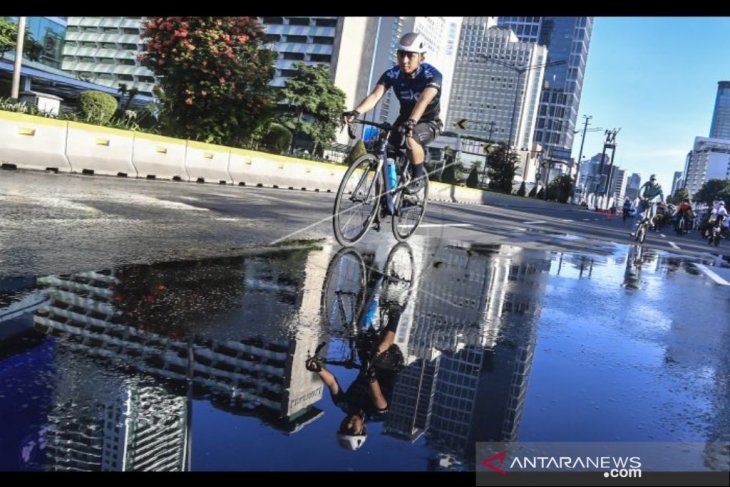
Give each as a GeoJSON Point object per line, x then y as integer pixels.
{"type": "Point", "coordinates": [417, 85]}
{"type": "Point", "coordinates": [634, 261]}
{"type": "Point", "coordinates": [368, 397]}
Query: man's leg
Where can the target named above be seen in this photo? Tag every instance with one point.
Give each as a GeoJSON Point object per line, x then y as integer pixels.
{"type": "Point", "coordinates": [423, 134]}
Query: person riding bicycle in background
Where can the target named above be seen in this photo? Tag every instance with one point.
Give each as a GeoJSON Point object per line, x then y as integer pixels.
{"type": "Point", "coordinates": [368, 397]}
{"type": "Point", "coordinates": [684, 209]}
{"type": "Point", "coordinates": [718, 216]}
{"type": "Point", "coordinates": [650, 194]}
{"type": "Point", "coordinates": [417, 85]}
{"type": "Point", "coordinates": [626, 208]}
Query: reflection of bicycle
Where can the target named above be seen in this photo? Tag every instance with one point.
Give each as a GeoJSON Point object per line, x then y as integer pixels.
{"type": "Point", "coordinates": [367, 193]}
{"type": "Point", "coordinates": [359, 303]}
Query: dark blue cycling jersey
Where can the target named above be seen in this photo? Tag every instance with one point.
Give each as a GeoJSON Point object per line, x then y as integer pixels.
{"type": "Point", "coordinates": [408, 89]}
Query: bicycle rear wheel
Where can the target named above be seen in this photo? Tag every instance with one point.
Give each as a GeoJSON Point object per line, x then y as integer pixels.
{"type": "Point", "coordinates": [344, 291]}
{"type": "Point", "coordinates": [357, 201]}
{"type": "Point", "coordinates": [409, 209]}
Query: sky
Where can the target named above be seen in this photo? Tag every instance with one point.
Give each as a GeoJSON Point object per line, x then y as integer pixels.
{"type": "Point", "coordinates": [656, 79]}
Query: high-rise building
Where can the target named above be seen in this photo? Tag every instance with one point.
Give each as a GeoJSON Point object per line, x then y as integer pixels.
{"type": "Point", "coordinates": [720, 128]}
{"type": "Point", "coordinates": [709, 159]}
{"type": "Point", "coordinates": [677, 182]}
{"type": "Point", "coordinates": [567, 39]}
{"type": "Point", "coordinates": [633, 186]}
{"type": "Point", "coordinates": [499, 101]}
{"type": "Point", "coordinates": [105, 50]}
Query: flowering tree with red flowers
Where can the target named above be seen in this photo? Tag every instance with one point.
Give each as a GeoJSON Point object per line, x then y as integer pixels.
{"type": "Point", "coordinates": [213, 75]}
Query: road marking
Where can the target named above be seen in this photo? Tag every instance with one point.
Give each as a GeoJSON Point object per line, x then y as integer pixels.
{"type": "Point", "coordinates": [432, 225]}
{"type": "Point", "coordinates": [712, 275]}
{"type": "Point", "coordinates": [674, 245]}
{"type": "Point", "coordinates": [662, 235]}
{"type": "Point", "coordinates": [586, 219]}
{"type": "Point", "coordinates": [536, 221]}
{"type": "Point", "coordinates": [566, 220]}
{"type": "Point", "coordinates": [227, 219]}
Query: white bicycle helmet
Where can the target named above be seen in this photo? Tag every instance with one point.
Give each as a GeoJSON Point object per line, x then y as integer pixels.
{"type": "Point", "coordinates": [412, 42]}
{"type": "Point", "coordinates": [351, 442]}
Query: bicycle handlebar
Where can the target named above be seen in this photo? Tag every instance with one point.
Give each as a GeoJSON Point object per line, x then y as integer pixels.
{"type": "Point", "coordinates": [383, 126]}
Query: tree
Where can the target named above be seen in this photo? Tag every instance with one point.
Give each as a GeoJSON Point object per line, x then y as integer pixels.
{"type": "Point", "coordinates": [502, 165]}
{"type": "Point", "coordinates": [560, 188]}
{"type": "Point", "coordinates": [473, 180]}
{"type": "Point", "coordinates": [32, 49]}
{"type": "Point", "coordinates": [712, 190]}
{"type": "Point", "coordinates": [278, 138]}
{"type": "Point", "coordinates": [213, 75]}
{"type": "Point", "coordinates": [313, 104]}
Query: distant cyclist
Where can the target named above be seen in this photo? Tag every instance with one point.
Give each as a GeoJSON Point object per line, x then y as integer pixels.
{"type": "Point", "coordinates": [417, 85]}
{"type": "Point", "coordinates": [650, 194]}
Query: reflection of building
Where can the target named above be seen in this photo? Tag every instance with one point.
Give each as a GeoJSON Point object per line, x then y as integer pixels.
{"type": "Point", "coordinates": [250, 369]}
{"type": "Point", "coordinates": [474, 334]}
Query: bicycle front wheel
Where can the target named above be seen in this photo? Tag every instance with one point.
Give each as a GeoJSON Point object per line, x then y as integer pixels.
{"type": "Point", "coordinates": [399, 273]}
{"type": "Point", "coordinates": [641, 233]}
{"type": "Point", "coordinates": [357, 201]}
{"type": "Point", "coordinates": [409, 211]}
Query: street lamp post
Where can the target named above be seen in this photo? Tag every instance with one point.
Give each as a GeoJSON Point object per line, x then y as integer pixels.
{"type": "Point", "coordinates": [15, 85]}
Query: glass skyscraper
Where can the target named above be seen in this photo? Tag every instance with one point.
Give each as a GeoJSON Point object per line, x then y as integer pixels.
{"type": "Point", "coordinates": [567, 38]}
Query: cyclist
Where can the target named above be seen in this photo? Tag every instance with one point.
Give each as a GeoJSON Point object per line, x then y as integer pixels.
{"type": "Point", "coordinates": [368, 397]}
{"type": "Point", "coordinates": [626, 207]}
{"type": "Point", "coordinates": [684, 209]}
{"type": "Point", "coordinates": [417, 85]}
{"type": "Point", "coordinates": [649, 195]}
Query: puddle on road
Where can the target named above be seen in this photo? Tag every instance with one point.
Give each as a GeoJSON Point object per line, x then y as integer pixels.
{"type": "Point", "coordinates": [201, 365]}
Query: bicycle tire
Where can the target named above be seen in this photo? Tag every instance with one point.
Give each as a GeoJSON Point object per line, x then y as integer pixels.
{"type": "Point", "coordinates": [414, 214]}
{"type": "Point", "coordinates": [400, 272]}
{"type": "Point", "coordinates": [345, 272]}
{"type": "Point", "coordinates": [641, 233]}
{"type": "Point", "coordinates": [366, 188]}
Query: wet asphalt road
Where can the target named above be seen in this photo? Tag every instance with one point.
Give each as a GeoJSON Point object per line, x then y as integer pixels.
{"type": "Point", "coordinates": [563, 326]}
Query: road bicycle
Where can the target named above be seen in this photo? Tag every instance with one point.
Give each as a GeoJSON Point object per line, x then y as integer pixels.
{"type": "Point", "coordinates": [359, 301]}
{"type": "Point", "coordinates": [643, 228]}
{"type": "Point", "coordinates": [367, 194]}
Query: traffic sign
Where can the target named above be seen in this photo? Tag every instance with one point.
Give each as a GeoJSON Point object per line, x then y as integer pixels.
{"type": "Point", "coordinates": [462, 123]}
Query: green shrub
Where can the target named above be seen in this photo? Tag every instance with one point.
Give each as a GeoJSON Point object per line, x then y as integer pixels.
{"type": "Point", "coordinates": [278, 138]}
{"type": "Point", "coordinates": [97, 107]}
{"type": "Point", "coordinates": [473, 180]}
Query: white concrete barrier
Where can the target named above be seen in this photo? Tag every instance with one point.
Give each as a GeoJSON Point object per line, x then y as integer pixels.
{"type": "Point", "coordinates": [455, 194]}
{"type": "Point", "coordinates": [158, 157]}
{"type": "Point", "coordinates": [29, 142]}
{"type": "Point", "coordinates": [207, 162]}
{"type": "Point", "coordinates": [257, 168]}
{"type": "Point", "coordinates": [100, 150]}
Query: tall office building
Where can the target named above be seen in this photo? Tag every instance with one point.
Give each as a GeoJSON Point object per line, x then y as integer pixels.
{"type": "Point", "coordinates": [633, 186]}
{"type": "Point", "coordinates": [677, 182]}
{"type": "Point", "coordinates": [105, 50]}
{"type": "Point", "coordinates": [499, 102]}
{"type": "Point", "coordinates": [568, 39]}
{"type": "Point", "coordinates": [720, 128]}
{"type": "Point", "coordinates": [709, 159]}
